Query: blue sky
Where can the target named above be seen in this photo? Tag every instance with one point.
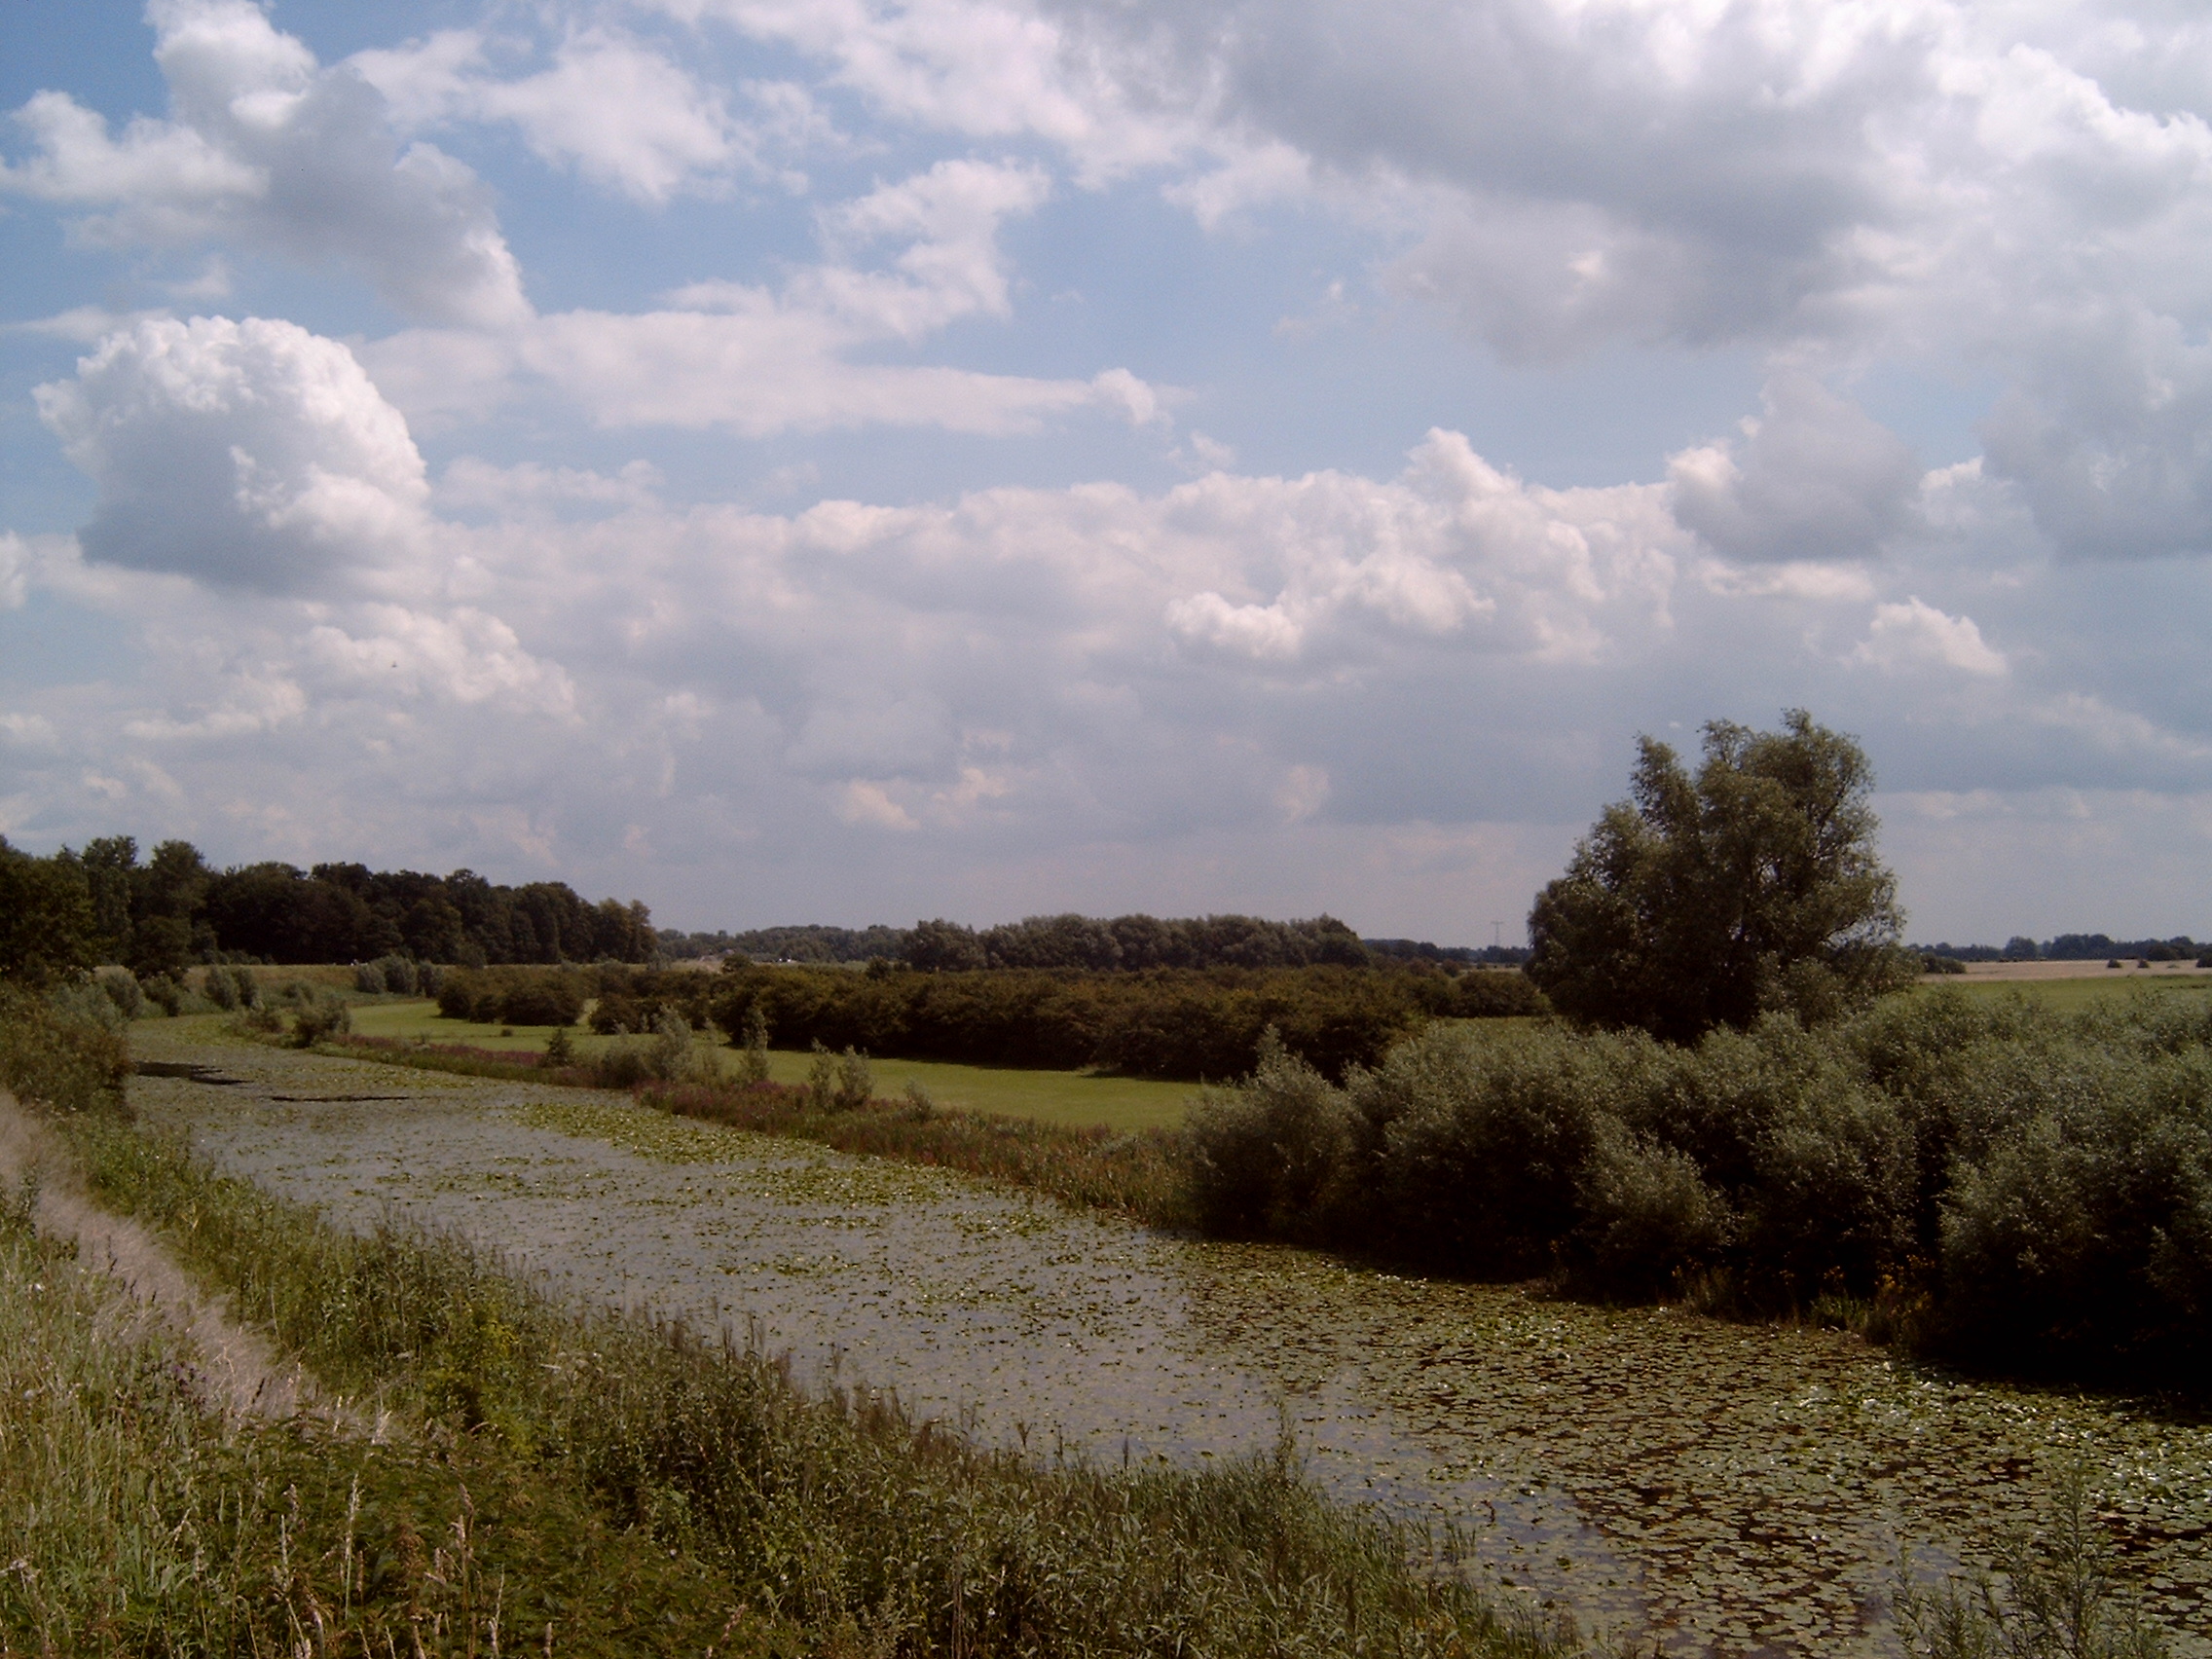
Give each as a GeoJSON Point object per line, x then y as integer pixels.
{"type": "Point", "coordinates": [855, 459]}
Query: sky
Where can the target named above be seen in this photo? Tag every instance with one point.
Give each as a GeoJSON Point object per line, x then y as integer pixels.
{"type": "Point", "coordinates": [861, 459]}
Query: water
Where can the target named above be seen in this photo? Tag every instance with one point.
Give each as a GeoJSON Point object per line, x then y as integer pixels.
{"type": "Point", "coordinates": [1710, 1488]}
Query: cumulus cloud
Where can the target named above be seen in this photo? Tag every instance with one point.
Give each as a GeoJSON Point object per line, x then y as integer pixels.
{"type": "Point", "coordinates": [252, 454]}
{"type": "Point", "coordinates": [1455, 547]}
{"type": "Point", "coordinates": [1916, 635]}
{"type": "Point", "coordinates": [266, 148]}
{"type": "Point", "coordinates": [1816, 480]}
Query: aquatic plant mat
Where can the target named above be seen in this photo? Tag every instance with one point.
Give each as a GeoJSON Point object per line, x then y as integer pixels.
{"type": "Point", "coordinates": [1671, 1480]}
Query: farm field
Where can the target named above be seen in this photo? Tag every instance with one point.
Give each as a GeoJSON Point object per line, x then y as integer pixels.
{"type": "Point", "coordinates": [1673, 1480]}
{"type": "Point", "coordinates": [1082, 1098]}
{"type": "Point", "coordinates": [2066, 993]}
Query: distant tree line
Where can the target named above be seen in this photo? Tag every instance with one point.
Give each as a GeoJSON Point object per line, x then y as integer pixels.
{"type": "Point", "coordinates": [808, 942]}
{"type": "Point", "coordinates": [156, 915]}
{"type": "Point", "coordinates": [1467, 955]}
{"type": "Point", "coordinates": [2073, 947]}
{"type": "Point", "coordinates": [1137, 943]}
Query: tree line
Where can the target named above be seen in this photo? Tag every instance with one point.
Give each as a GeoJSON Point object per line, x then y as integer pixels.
{"type": "Point", "coordinates": [1168, 1022]}
{"type": "Point", "coordinates": [76, 910]}
{"type": "Point", "coordinates": [1132, 944]}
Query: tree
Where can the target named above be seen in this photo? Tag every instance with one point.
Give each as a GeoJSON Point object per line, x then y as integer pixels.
{"type": "Point", "coordinates": [46, 918]}
{"type": "Point", "coordinates": [1705, 902]}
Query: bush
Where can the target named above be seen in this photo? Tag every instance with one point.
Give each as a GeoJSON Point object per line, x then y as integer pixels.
{"type": "Point", "coordinates": [839, 1083]}
{"type": "Point", "coordinates": [231, 987]}
{"type": "Point", "coordinates": [1495, 994]}
{"type": "Point", "coordinates": [1271, 1158]}
{"type": "Point", "coordinates": [164, 992]}
{"type": "Point", "coordinates": [512, 996]}
{"type": "Point", "coordinates": [121, 988]}
{"type": "Point", "coordinates": [2020, 1190]}
{"type": "Point", "coordinates": [1648, 1219]}
{"type": "Point", "coordinates": [319, 1016]}
{"type": "Point", "coordinates": [60, 1056]}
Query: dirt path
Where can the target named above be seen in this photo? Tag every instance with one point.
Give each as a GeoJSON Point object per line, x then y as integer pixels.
{"type": "Point", "coordinates": [238, 1373]}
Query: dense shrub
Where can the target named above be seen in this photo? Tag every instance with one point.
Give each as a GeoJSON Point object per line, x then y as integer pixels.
{"type": "Point", "coordinates": [121, 987]}
{"type": "Point", "coordinates": [319, 1016]}
{"type": "Point", "coordinates": [2037, 1188]}
{"type": "Point", "coordinates": [513, 996]}
{"type": "Point", "coordinates": [231, 987]}
{"type": "Point", "coordinates": [62, 1057]}
{"type": "Point", "coordinates": [1171, 1024]}
{"type": "Point", "coordinates": [393, 973]}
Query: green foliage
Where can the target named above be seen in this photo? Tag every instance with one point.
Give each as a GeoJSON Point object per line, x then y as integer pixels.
{"type": "Point", "coordinates": [839, 1516]}
{"type": "Point", "coordinates": [121, 988]}
{"type": "Point", "coordinates": [513, 996]}
{"type": "Point", "coordinates": [231, 986]}
{"type": "Point", "coordinates": [2008, 1187]}
{"type": "Point", "coordinates": [839, 1083]}
{"type": "Point", "coordinates": [67, 1060]}
{"type": "Point", "coordinates": [1268, 1159]}
{"type": "Point", "coordinates": [135, 1521]}
{"type": "Point", "coordinates": [45, 919]}
{"type": "Point", "coordinates": [1171, 1023]}
{"type": "Point", "coordinates": [1751, 888]}
{"type": "Point", "coordinates": [753, 1068]}
{"type": "Point", "coordinates": [319, 1016]}
{"type": "Point", "coordinates": [392, 972]}
{"type": "Point", "coordinates": [1134, 943]}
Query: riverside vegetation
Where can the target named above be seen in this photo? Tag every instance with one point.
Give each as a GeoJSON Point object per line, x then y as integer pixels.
{"type": "Point", "coordinates": [535, 1465]}
{"type": "Point", "coordinates": [599, 1484]}
{"type": "Point", "coordinates": [2012, 1188]}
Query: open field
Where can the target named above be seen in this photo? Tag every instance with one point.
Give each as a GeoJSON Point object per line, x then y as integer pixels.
{"type": "Point", "coordinates": [1703, 1486]}
{"type": "Point", "coordinates": [2067, 992]}
{"type": "Point", "coordinates": [1059, 1098]}
{"type": "Point", "coordinates": [2041, 973]}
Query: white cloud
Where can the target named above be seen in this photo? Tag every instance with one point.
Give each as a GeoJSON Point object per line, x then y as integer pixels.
{"type": "Point", "coordinates": [463, 657]}
{"type": "Point", "coordinates": [1916, 635]}
{"type": "Point", "coordinates": [248, 452]}
{"type": "Point", "coordinates": [266, 148]}
{"type": "Point", "coordinates": [757, 361]}
{"type": "Point", "coordinates": [622, 113]}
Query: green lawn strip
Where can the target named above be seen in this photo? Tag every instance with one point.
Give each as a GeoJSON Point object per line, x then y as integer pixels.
{"type": "Point", "coordinates": [1080, 1099]}
{"type": "Point", "coordinates": [837, 1514]}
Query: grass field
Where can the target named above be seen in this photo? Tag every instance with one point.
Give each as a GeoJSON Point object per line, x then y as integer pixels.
{"type": "Point", "coordinates": [1080, 1099]}
{"type": "Point", "coordinates": [2069, 995]}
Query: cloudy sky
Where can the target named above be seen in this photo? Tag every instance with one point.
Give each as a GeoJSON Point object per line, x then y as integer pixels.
{"type": "Point", "coordinates": [855, 459]}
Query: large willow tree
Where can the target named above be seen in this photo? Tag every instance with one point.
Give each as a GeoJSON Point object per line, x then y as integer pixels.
{"type": "Point", "coordinates": [1704, 901]}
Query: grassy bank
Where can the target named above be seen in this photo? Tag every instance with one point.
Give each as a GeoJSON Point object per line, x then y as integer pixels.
{"type": "Point", "coordinates": [837, 1519]}
{"type": "Point", "coordinates": [590, 1483]}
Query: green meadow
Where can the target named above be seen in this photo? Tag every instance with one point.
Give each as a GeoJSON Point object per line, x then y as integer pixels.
{"type": "Point", "coordinates": [1077, 1099]}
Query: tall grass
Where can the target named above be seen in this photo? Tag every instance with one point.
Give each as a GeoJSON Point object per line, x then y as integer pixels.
{"type": "Point", "coordinates": [839, 1516]}
{"type": "Point", "coordinates": [134, 1519]}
